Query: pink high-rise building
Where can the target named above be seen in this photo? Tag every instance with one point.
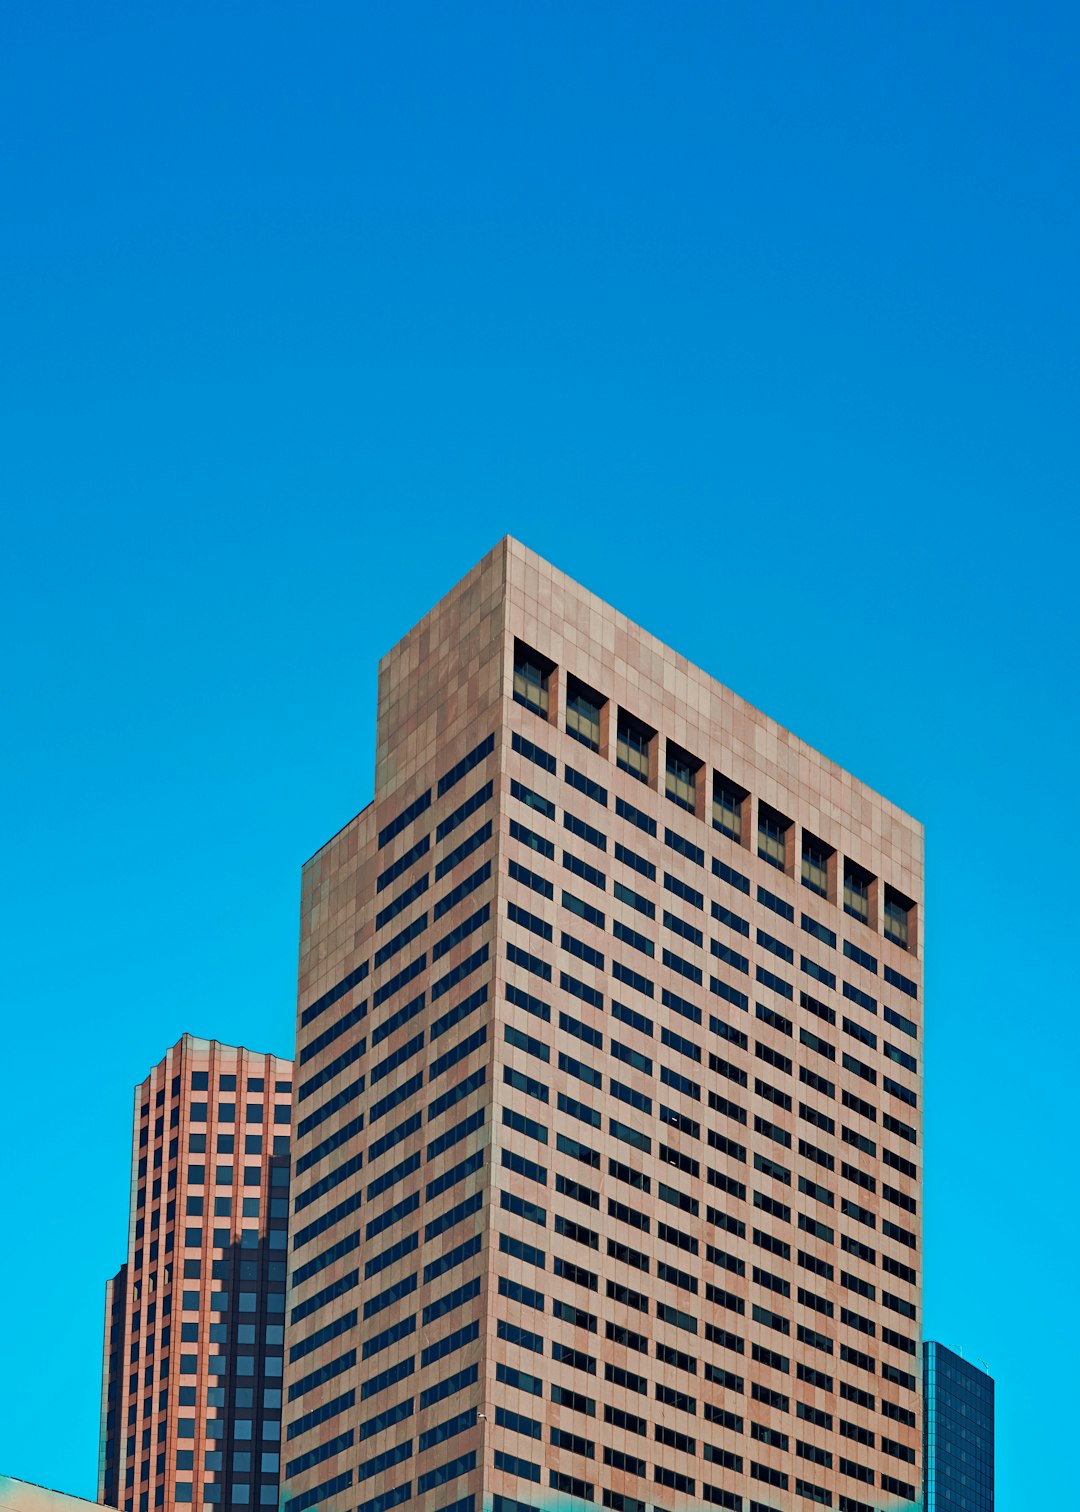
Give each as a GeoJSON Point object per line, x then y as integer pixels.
{"type": "Point", "coordinates": [194, 1319]}
{"type": "Point", "coordinates": [607, 1120]}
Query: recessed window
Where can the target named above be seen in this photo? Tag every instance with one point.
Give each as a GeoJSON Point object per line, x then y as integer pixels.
{"type": "Point", "coordinates": [857, 891]}
{"type": "Point", "coordinates": [772, 836]}
{"type": "Point", "coordinates": [532, 673]}
{"type": "Point", "coordinates": [680, 779]}
{"type": "Point", "coordinates": [727, 807]}
{"type": "Point", "coordinates": [583, 713]}
{"type": "Point", "coordinates": [633, 745]}
{"type": "Point", "coordinates": [897, 918]}
{"type": "Point", "coordinates": [815, 865]}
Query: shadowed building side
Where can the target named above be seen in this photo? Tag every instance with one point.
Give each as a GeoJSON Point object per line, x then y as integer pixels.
{"type": "Point", "coordinates": [111, 1387]}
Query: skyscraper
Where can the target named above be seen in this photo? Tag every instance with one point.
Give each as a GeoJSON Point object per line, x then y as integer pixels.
{"type": "Point", "coordinates": [191, 1396]}
{"type": "Point", "coordinates": [958, 1444]}
{"type": "Point", "coordinates": [607, 1122]}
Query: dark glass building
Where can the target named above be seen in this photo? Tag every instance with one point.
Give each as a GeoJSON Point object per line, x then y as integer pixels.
{"type": "Point", "coordinates": [958, 1433]}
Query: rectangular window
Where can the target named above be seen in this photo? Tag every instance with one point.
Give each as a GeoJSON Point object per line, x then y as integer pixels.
{"type": "Point", "coordinates": [632, 899]}
{"type": "Point", "coordinates": [815, 865]}
{"type": "Point", "coordinates": [586, 785]}
{"type": "Point", "coordinates": [532, 752]}
{"type": "Point", "coordinates": [584, 831]}
{"type": "Point", "coordinates": [680, 781]}
{"type": "Point", "coordinates": [635, 862]}
{"type": "Point", "coordinates": [727, 807]}
{"type": "Point", "coordinates": [857, 891]}
{"type": "Point", "coordinates": [898, 1021]}
{"type": "Point", "coordinates": [819, 931]}
{"type": "Point", "coordinates": [466, 764]}
{"type": "Point", "coordinates": [860, 957]}
{"type": "Point", "coordinates": [632, 746]}
{"type": "Point", "coordinates": [685, 848]}
{"type": "Point", "coordinates": [531, 675]}
{"type": "Point", "coordinates": [403, 819]}
{"type": "Point", "coordinates": [583, 713]}
{"type": "Point", "coordinates": [531, 799]}
{"type": "Point", "coordinates": [480, 837]}
{"type": "Point", "coordinates": [635, 816]}
{"type": "Point", "coordinates": [897, 917]}
{"type": "Point", "coordinates": [896, 979]}
{"type": "Point", "coordinates": [772, 837]}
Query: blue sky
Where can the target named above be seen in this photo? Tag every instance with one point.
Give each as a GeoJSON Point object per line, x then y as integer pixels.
{"type": "Point", "coordinates": [760, 320]}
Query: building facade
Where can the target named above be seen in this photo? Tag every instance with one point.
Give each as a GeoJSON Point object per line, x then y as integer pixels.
{"type": "Point", "coordinates": [958, 1443]}
{"type": "Point", "coordinates": [25, 1496]}
{"type": "Point", "coordinates": [607, 1129]}
{"type": "Point", "coordinates": [194, 1319]}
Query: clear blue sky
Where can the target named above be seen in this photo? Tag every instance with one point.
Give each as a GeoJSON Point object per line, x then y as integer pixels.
{"type": "Point", "coordinates": [759, 319]}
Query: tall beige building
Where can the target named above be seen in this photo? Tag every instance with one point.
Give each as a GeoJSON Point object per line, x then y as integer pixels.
{"type": "Point", "coordinates": [606, 1130]}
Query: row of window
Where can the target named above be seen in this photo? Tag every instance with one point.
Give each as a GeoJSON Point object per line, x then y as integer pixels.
{"type": "Point", "coordinates": [222, 1238]}
{"type": "Point", "coordinates": [212, 1493]}
{"type": "Point", "coordinates": [635, 1464]}
{"type": "Point", "coordinates": [567, 1439]}
{"type": "Point", "coordinates": [643, 1063]}
{"type": "Point", "coordinates": [413, 891]}
{"type": "Point", "coordinates": [223, 1174]}
{"type": "Point", "coordinates": [537, 966]}
{"type": "Point", "coordinates": [668, 1233]}
{"type": "Point", "coordinates": [693, 853]}
{"type": "Point", "coordinates": [715, 1496]}
{"type": "Point", "coordinates": [200, 1082]}
{"type": "Point", "coordinates": [686, 1281]}
{"type": "Point", "coordinates": [636, 746]}
{"type": "Point", "coordinates": [632, 1423]}
{"type": "Point", "coordinates": [224, 1113]}
{"type": "Point", "coordinates": [685, 1399]}
{"type": "Point", "coordinates": [397, 1019]}
{"type": "Point", "coordinates": [410, 900]}
{"type": "Point", "coordinates": [695, 937]}
{"type": "Point", "coordinates": [676, 842]}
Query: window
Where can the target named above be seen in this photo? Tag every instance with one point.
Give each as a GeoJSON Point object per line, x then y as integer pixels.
{"type": "Point", "coordinates": [772, 837]}
{"type": "Point", "coordinates": [531, 674]}
{"type": "Point", "coordinates": [632, 746]}
{"type": "Point", "coordinates": [583, 713]}
{"type": "Point", "coordinates": [857, 891]}
{"type": "Point", "coordinates": [815, 865]}
{"type": "Point", "coordinates": [897, 916]}
{"type": "Point", "coordinates": [681, 778]}
{"type": "Point", "coordinates": [727, 807]}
